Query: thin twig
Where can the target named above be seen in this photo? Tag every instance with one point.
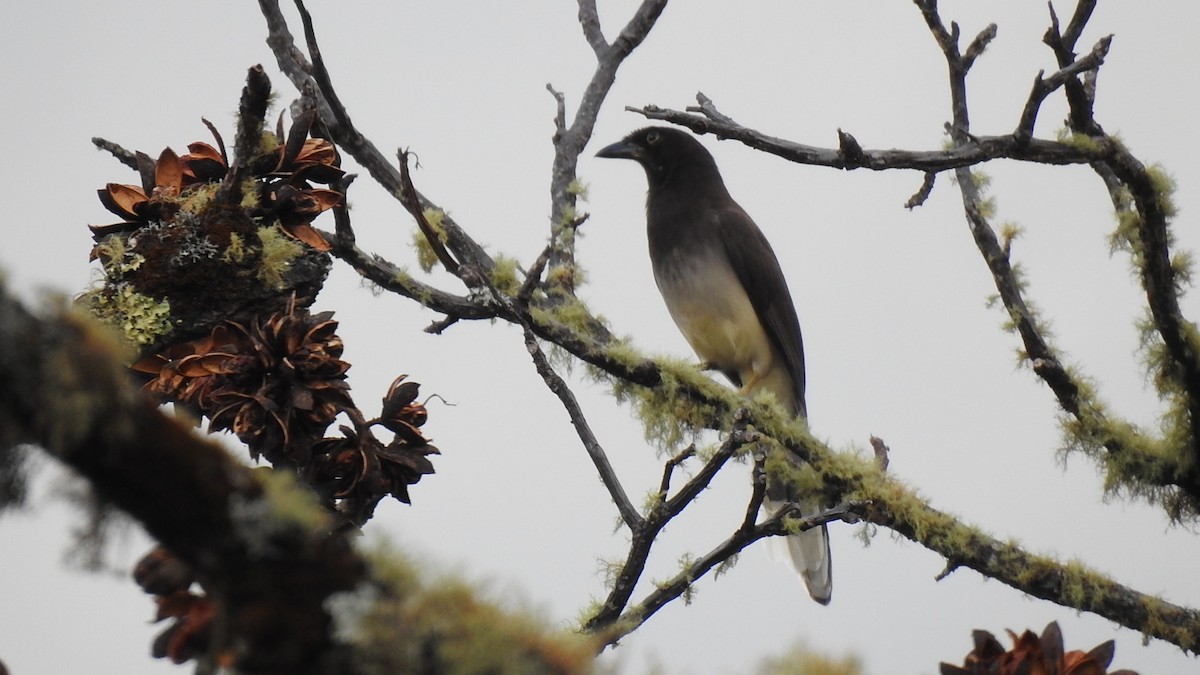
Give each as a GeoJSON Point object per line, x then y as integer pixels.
{"type": "Point", "coordinates": [664, 486]}
{"type": "Point", "coordinates": [922, 193]}
{"type": "Point", "coordinates": [633, 520]}
{"type": "Point", "coordinates": [411, 201]}
{"type": "Point", "coordinates": [671, 589]}
{"type": "Point", "coordinates": [126, 157]}
{"type": "Point", "coordinates": [1043, 87]}
{"type": "Point", "coordinates": [293, 64]}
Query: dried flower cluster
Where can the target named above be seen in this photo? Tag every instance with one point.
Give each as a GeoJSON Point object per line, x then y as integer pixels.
{"type": "Point", "coordinates": [163, 575]}
{"type": "Point", "coordinates": [210, 273]}
{"type": "Point", "coordinates": [278, 383]}
{"type": "Point", "coordinates": [201, 240]}
{"type": "Point", "coordinates": [1033, 655]}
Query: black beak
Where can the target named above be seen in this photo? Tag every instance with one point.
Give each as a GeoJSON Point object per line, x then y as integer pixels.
{"type": "Point", "coordinates": [623, 150]}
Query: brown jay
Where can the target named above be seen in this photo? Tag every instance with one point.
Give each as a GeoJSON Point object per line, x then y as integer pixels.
{"type": "Point", "coordinates": [724, 288]}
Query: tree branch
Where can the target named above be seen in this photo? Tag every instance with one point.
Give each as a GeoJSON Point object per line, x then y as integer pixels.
{"type": "Point", "coordinates": [608, 475]}
{"type": "Point", "coordinates": [981, 149]}
{"type": "Point", "coordinates": [64, 387]}
{"type": "Point", "coordinates": [293, 64]}
{"type": "Point", "coordinates": [570, 141]}
{"type": "Point", "coordinates": [1044, 87]}
{"type": "Point", "coordinates": [845, 477]}
{"type": "Point", "coordinates": [671, 589]}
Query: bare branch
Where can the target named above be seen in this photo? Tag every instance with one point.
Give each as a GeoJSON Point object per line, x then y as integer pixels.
{"type": "Point", "coordinates": [608, 475]}
{"type": "Point", "coordinates": [669, 590]}
{"type": "Point", "coordinates": [664, 486]}
{"type": "Point", "coordinates": [126, 157]}
{"type": "Point", "coordinates": [1044, 87]}
{"type": "Point", "coordinates": [589, 20]}
{"type": "Point", "coordinates": [570, 141]}
{"type": "Point", "coordinates": [978, 150]}
{"type": "Point", "coordinates": [396, 280]}
{"type": "Point", "coordinates": [293, 63]}
{"type": "Point", "coordinates": [251, 110]}
{"type": "Point", "coordinates": [923, 192]}
{"type": "Point", "coordinates": [978, 45]}
{"type": "Point", "coordinates": [1080, 98]}
{"type": "Point", "coordinates": [644, 535]}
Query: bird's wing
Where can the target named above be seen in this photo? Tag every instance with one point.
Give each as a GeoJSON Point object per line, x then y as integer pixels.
{"type": "Point", "coordinates": [758, 269]}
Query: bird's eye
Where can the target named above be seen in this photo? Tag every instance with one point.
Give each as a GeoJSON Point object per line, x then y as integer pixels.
{"type": "Point", "coordinates": [652, 137]}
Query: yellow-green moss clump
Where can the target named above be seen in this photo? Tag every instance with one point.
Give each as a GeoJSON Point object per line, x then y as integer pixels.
{"type": "Point", "coordinates": [1078, 141]}
{"type": "Point", "coordinates": [141, 320]}
{"type": "Point", "coordinates": [504, 275]}
{"type": "Point", "coordinates": [426, 257]}
{"type": "Point", "coordinates": [446, 626]}
{"type": "Point", "coordinates": [801, 660]}
{"type": "Point", "coordinates": [278, 252]}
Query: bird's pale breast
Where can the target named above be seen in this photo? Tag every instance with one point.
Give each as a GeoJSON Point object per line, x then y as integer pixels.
{"type": "Point", "coordinates": [711, 308]}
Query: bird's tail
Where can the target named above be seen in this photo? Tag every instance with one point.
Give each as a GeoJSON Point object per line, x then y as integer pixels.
{"type": "Point", "coordinates": [808, 552]}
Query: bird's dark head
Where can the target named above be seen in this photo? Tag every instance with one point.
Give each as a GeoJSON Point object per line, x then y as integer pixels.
{"type": "Point", "coordinates": [667, 154]}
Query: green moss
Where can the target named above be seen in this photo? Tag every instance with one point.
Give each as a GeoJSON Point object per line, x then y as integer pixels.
{"type": "Point", "coordinates": [445, 625]}
{"type": "Point", "coordinates": [568, 215]}
{"type": "Point", "coordinates": [1164, 189]}
{"type": "Point", "coordinates": [267, 141]}
{"type": "Point", "coordinates": [669, 418]}
{"type": "Point", "coordinates": [651, 501]}
{"type": "Point", "coordinates": [1182, 264]}
{"type": "Point", "coordinates": [197, 198]}
{"type": "Point", "coordinates": [140, 319]}
{"type": "Point", "coordinates": [504, 275]}
{"type": "Point", "coordinates": [277, 253]}
{"type": "Point", "coordinates": [426, 256]}
{"type": "Point", "coordinates": [290, 501]}
{"type": "Point", "coordinates": [250, 196]}
{"type": "Point", "coordinates": [980, 180]}
{"type": "Point", "coordinates": [237, 252]}
{"type": "Point", "coordinates": [1009, 232]}
{"type": "Point", "coordinates": [802, 660]}
{"type": "Point", "coordinates": [987, 208]}
{"type": "Point", "coordinates": [1125, 238]}
{"type": "Point", "coordinates": [578, 188]}
{"type": "Point", "coordinates": [566, 276]}
{"type": "Point", "coordinates": [1083, 587]}
{"type": "Point", "coordinates": [1078, 141]}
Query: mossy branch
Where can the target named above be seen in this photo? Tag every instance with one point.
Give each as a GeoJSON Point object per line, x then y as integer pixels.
{"type": "Point", "coordinates": [689, 398]}
{"type": "Point", "coordinates": [64, 387]}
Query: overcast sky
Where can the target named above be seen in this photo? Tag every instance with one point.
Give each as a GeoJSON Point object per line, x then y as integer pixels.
{"type": "Point", "coordinates": [899, 342]}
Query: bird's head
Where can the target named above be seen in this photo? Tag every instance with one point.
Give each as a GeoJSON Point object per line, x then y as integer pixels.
{"type": "Point", "coordinates": [665, 153]}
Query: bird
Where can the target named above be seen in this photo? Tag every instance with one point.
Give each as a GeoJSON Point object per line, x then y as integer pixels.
{"type": "Point", "coordinates": [725, 290]}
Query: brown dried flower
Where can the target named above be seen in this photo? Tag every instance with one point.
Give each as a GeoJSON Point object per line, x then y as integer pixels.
{"type": "Point", "coordinates": [1033, 655]}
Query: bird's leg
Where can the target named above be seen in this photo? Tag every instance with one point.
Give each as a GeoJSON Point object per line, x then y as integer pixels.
{"type": "Point", "coordinates": [747, 388]}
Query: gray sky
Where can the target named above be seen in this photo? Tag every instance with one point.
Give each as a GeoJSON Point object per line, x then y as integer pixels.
{"type": "Point", "coordinates": [898, 340]}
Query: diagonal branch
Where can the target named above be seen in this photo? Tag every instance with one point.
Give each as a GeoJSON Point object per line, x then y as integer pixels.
{"type": "Point", "coordinates": [608, 475]}
{"type": "Point", "coordinates": [64, 386]}
{"type": "Point", "coordinates": [293, 64]}
{"type": "Point", "coordinates": [671, 589]}
{"type": "Point", "coordinates": [607, 618]}
{"type": "Point", "coordinates": [1044, 87]}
